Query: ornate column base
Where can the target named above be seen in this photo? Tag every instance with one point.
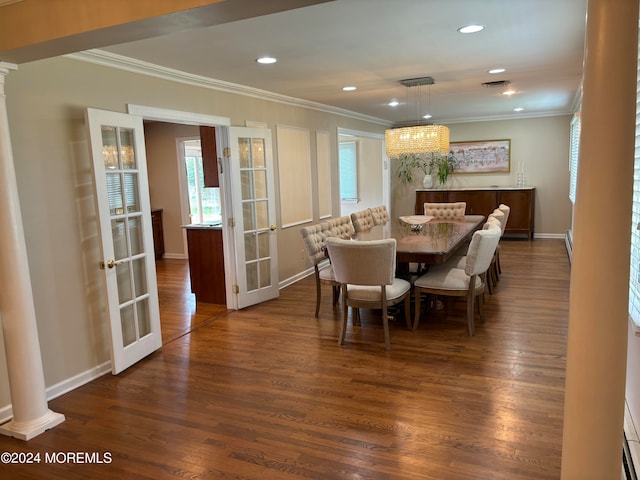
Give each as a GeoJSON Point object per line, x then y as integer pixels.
{"type": "Point", "coordinates": [32, 428]}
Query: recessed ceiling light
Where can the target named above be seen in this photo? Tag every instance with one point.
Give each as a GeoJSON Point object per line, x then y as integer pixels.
{"type": "Point", "coordinates": [266, 60]}
{"type": "Point", "coordinates": [427, 116]}
{"type": "Point", "coordinates": [509, 92]}
{"type": "Point", "coordinates": [349, 88]}
{"type": "Point", "coordinates": [393, 103]}
{"type": "Point", "coordinates": [471, 28]}
{"type": "Point", "coordinates": [518, 109]}
{"type": "Point", "coordinates": [497, 70]}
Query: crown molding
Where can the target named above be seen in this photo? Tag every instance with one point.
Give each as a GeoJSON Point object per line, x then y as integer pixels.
{"type": "Point", "coordinates": [112, 60]}
{"type": "Point", "coordinates": [497, 118]}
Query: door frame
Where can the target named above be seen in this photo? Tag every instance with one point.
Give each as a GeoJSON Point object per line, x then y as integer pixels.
{"type": "Point", "coordinates": [385, 163]}
{"type": "Point", "coordinates": [222, 138]}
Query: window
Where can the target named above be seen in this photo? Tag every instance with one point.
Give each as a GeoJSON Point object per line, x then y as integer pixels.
{"type": "Point", "coordinates": [574, 151]}
{"type": "Point", "coordinates": [634, 261]}
{"type": "Point", "coordinates": [204, 203]}
{"type": "Point", "coordinates": [348, 171]}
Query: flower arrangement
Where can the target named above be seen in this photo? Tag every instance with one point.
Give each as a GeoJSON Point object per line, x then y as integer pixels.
{"type": "Point", "coordinates": [442, 164]}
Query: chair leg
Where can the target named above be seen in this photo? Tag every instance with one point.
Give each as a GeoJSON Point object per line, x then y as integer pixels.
{"type": "Point", "coordinates": [498, 261]}
{"type": "Point", "coordinates": [356, 316]}
{"type": "Point", "coordinates": [385, 319]}
{"type": "Point", "coordinates": [490, 283]}
{"type": "Point", "coordinates": [416, 320]}
{"type": "Point", "coordinates": [345, 313]}
{"type": "Point", "coordinates": [407, 310]}
{"type": "Point", "coordinates": [318, 292]}
{"type": "Point", "coordinates": [470, 302]}
{"type": "Point", "coordinates": [481, 307]}
{"type": "Point", "coordinates": [336, 294]}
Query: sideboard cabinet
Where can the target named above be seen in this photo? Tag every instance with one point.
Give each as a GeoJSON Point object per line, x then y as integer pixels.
{"type": "Point", "coordinates": [482, 201]}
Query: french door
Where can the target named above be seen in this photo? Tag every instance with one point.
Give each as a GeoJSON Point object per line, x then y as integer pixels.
{"type": "Point", "coordinates": [255, 235]}
{"type": "Point", "coordinates": [124, 219]}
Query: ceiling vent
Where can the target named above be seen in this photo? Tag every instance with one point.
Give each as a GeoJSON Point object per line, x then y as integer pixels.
{"type": "Point", "coordinates": [497, 83]}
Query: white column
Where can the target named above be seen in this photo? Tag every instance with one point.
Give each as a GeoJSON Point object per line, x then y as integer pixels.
{"type": "Point", "coordinates": [598, 313]}
{"type": "Point", "coordinates": [31, 415]}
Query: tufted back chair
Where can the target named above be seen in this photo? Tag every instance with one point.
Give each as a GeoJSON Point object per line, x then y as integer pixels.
{"type": "Point", "coordinates": [363, 224]}
{"type": "Point", "coordinates": [340, 227]}
{"type": "Point", "coordinates": [446, 210]}
{"type": "Point", "coordinates": [380, 215]}
{"type": "Point", "coordinates": [314, 238]}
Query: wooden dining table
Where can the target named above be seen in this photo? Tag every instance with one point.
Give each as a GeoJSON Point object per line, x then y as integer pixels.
{"type": "Point", "coordinates": [432, 242]}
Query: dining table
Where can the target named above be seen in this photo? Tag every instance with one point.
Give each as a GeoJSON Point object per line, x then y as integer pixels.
{"type": "Point", "coordinates": [427, 240]}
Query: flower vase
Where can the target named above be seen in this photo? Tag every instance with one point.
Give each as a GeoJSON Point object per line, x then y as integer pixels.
{"type": "Point", "coordinates": [427, 181]}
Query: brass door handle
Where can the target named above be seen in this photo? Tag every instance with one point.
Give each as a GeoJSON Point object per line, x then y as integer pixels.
{"type": "Point", "coordinates": [272, 228]}
{"type": "Point", "coordinates": [110, 264]}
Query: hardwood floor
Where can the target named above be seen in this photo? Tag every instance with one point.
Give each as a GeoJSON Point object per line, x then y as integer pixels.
{"type": "Point", "coordinates": [179, 311]}
{"type": "Point", "coordinates": [266, 393]}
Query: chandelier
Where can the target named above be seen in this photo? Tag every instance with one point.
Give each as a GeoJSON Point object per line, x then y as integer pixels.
{"type": "Point", "coordinates": [417, 139]}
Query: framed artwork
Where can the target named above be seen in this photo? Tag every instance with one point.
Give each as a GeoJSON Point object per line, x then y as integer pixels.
{"type": "Point", "coordinates": [482, 156]}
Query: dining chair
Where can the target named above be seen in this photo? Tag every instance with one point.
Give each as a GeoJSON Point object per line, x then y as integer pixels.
{"type": "Point", "coordinates": [498, 216]}
{"type": "Point", "coordinates": [380, 215]}
{"type": "Point", "coordinates": [366, 273]}
{"type": "Point", "coordinates": [363, 225]}
{"type": "Point", "coordinates": [445, 209]}
{"type": "Point", "coordinates": [314, 238]}
{"type": "Point", "coordinates": [505, 209]}
{"type": "Point", "coordinates": [492, 277]}
{"type": "Point", "coordinates": [450, 280]}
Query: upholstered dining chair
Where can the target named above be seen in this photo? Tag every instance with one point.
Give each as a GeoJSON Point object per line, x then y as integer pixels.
{"type": "Point", "coordinates": [314, 238]}
{"type": "Point", "coordinates": [445, 209]}
{"type": "Point", "coordinates": [492, 274]}
{"type": "Point", "coordinates": [380, 215]}
{"type": "Point", "coordinates": [450, 280]}
{"type": "Point", "coordinates": [366, 273]}
{"type": "Point", "coordinates": [505, 209]}
{"type": "Point", "coordinates": [363, 224]}
{"type": "Point", "coordinates": [500, 218]}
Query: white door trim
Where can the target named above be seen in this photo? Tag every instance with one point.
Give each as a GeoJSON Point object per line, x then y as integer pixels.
{"type": "Point", "coordinates": [176, 116]}
{"type": "Point", "coordinates": [190, 118]}
{"type": "Point", "coordinates": [385, 162]}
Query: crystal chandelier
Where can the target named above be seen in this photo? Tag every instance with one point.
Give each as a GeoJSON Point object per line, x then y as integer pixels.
{"type": "Point", "coordinates": [417, 139]}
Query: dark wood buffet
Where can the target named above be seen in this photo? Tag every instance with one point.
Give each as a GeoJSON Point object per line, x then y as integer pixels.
{"type": "Point", "coordinates": [158, 234]}
{"type": "Point", "coordinates": [482, 201]}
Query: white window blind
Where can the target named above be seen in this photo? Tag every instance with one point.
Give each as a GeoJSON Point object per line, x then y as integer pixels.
{"type": "Point", "coordinates": [574, 152]}
{"type": "Point", "coordinates": [348, 171]}
{"type": "Point", "coordinates": [634, 280]}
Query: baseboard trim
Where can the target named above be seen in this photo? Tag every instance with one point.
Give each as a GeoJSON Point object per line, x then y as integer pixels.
{"type": "Point", "coordinates": [549, 235]}
{"type": "Point", "coordinates": [54, 391]}
{"type": "Point", "coordinates": [299, 276]}
{"type": "Point", "coordinates": [175, 256]}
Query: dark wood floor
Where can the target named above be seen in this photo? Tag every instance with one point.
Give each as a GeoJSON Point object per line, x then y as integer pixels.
{"type": "Point", "coordinates": [179, 311]}
{"type": "Point", "coordinates": [266, 393]}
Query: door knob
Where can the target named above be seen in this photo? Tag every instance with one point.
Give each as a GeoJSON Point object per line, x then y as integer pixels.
{"type": "Point", "coordinates": [272, 228]}
{"type": "Point", "coordinates": [110, 264]}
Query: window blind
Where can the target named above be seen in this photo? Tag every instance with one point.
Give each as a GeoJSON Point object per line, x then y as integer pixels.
{"type": "Point", "coordinates": [634, 280]}
{"type": "Point", "coordinates": [574, 151]}
{"type": "Point", "coordinates": [348, 171]}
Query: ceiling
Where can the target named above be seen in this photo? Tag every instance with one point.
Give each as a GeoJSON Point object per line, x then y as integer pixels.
{"type": "Point", "coordinates": [373, 44]}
